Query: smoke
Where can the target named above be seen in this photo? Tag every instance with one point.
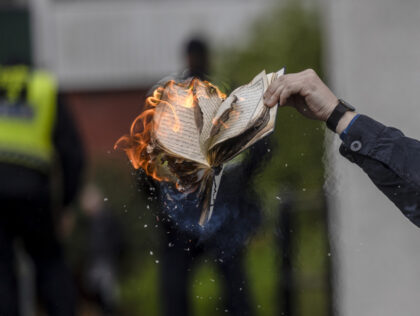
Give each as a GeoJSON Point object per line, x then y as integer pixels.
{"type": "Point", "coordinates": [235, 218]}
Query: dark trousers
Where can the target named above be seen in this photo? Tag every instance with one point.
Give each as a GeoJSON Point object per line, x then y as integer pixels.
{"type": "Point", "coordinates": [176, 263]}
{"type": "Point", "coordinates": [32, 222]}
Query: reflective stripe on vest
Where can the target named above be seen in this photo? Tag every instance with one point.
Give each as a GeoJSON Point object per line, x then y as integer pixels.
{"type": "Point", "coordinates": [26, 125]}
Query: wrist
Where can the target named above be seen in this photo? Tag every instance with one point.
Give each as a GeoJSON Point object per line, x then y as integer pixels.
{"type": "Point", "coordinates": [329, 109]}
{"type": "Point", "coordinates": [345, 121]}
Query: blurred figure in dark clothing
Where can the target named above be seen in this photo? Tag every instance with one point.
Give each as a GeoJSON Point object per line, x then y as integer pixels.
{"type": "Point", "coordinates": [105, 246]}
{"type": "Point", "coordinates": [36, 133]}
{"type": "Point", "coordinates": [197, 59]}
{"type": "Point", "coordinates": [235, 218]}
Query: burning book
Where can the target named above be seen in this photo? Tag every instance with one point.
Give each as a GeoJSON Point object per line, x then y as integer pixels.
{"type": "Point", "coordinates": [189, 129]}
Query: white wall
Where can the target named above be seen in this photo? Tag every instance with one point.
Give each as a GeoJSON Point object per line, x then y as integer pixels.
{"type": "Point", "coordinates": [118, 44]}
{"type": "Point", "coordinates": [374, 63]}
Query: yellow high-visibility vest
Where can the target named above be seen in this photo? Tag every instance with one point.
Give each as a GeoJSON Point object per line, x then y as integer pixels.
{"type": "Point", "coordinates": [27, 122]}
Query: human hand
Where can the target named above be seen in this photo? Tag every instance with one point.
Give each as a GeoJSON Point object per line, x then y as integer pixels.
{"type": "Point", "coordinates": [305, 91]}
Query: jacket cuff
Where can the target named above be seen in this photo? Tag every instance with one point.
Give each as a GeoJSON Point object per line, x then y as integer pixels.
{"type": "Point", "coordinates": [360, 138]}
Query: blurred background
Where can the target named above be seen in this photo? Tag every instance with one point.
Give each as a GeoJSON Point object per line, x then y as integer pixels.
{"type": "Point", "coordinates": [327, 242]}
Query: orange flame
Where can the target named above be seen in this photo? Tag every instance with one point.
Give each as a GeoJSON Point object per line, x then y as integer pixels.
{"type": "Point", "coordinates": [140, 144]}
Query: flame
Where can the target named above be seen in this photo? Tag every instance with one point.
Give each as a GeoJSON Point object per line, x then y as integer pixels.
{"type": "Point", "coordinates": [137, 145]}
{"type": "Point", "coordinates": [140, 144]}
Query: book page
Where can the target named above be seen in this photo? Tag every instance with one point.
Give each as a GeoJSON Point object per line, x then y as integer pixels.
{"type": "Point", "coordinates": [227, 150]}
{"type": "Point", "coordinates": [222, 115]}
{"type": "Point", "coordinates": [176, 130]}
{"type": "Point", "coordinates": [261, 107]}
{"type": "Point", "coordinates": [269, 128]}
{"type": "Point", "coordinates": [208, 211]}
{"type": "Point", "coordinates": [249, 97]}
{"type": "Point", "coordinates": [209, 103]}
{"type": "Point", "coordinates": [259, 127]}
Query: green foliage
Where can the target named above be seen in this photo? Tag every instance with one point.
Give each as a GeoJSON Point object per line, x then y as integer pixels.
{"type": "Point", "coordinates": [289, 36]}
{"type": "Point", "coordinates": [286, 36]}
{"type": "Point", "coordinates": [139, 291]}
{"type": "Point", "coordinates": [206, 290]}
{"type": "Point", "coordinates": [262, 268]}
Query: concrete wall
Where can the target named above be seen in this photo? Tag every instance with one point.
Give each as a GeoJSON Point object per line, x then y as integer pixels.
{"type": "Point", "coordinates": [374, 63]}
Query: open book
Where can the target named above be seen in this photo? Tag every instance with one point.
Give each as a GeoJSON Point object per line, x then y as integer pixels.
{"type": "Point", "coordinates": [198, 130]}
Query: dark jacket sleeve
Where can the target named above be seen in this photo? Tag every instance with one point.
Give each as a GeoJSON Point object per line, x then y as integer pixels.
{"type": "Point", "coordinates": [390, 159]}
{"type": "Point", "coordinates": [70, 152]}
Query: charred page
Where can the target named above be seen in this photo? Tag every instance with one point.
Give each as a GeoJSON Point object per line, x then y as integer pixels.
{"type": "Point", "coordinates": [191, 129]}
{"type": "Point", "coordinates": [242, 119]}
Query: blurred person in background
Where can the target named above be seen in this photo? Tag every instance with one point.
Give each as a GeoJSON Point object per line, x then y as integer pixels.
{"type": "Point", "coordinates": [386, 155]}
{"type": "Point", "coordinates": [104, 248]}
{"type": "Point", "coordinates": [38, 142]}
{"type": "Point", "coordinates": [197, 59]}
{"type": "Point", "coordinates": [235, 218]}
